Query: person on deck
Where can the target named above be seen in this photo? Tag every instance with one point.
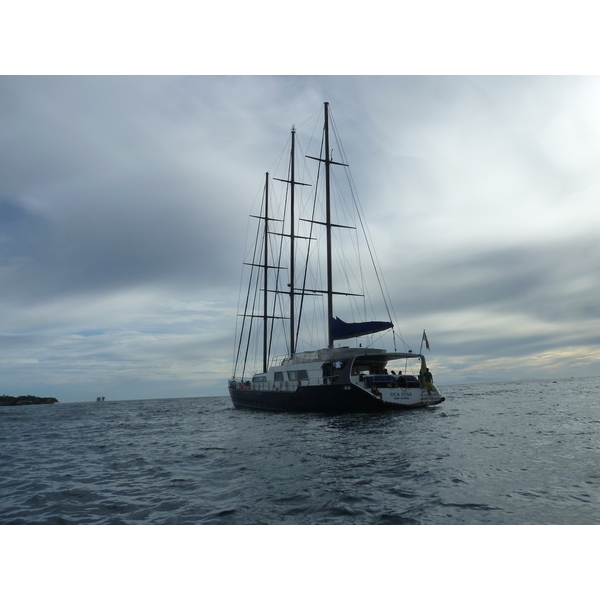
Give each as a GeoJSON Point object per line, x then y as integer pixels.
{"type": "Point", "coordinates": [428, 381]}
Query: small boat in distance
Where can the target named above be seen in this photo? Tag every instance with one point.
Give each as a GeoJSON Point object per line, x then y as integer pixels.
{"type": "Point", "coordinates": [299, 270]}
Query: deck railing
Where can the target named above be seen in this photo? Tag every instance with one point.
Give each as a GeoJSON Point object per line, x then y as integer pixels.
{"type": "Point", "coordinates": [291, 386]}
{"type": "Point", "coordinates": [285, 386]}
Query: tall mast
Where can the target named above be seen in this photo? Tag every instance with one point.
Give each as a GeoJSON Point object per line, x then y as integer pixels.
{"type": "Point", "coordinates": [328, 228]}
{"type": "Point", "coordinates": [292, 244]}
{"type": "Point", "coordinates": [293, 183]}
{"type": "Point", "coordinates": [328, 224]}
{"type": "Point", "coordinates": [266, 263]}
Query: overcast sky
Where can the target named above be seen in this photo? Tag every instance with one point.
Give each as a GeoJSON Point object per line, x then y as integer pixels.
{"type": "Point", "coordinates": [124, 204]}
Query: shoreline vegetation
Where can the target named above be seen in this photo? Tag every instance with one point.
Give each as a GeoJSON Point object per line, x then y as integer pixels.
{"type": "Point", "coordinates": [23, 400]}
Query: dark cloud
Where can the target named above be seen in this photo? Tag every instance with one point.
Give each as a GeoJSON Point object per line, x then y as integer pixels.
{"type": "Point", "coordinates": [126, 195]}
{"type": "Point", "coordinates": [124, 203]}
{"type": "Point", "coordinates": [557, 281]}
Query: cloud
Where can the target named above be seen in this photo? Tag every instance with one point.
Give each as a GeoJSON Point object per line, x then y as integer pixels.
{"type": "Point", "coordinates": [124, 203]}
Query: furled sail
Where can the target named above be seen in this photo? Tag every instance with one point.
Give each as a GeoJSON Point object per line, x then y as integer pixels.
{"type": "Point", "coordinates": [341, 330]}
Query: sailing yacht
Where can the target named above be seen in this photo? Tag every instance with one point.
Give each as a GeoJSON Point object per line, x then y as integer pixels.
{"type": "Point", "coordinates": [301, 278]}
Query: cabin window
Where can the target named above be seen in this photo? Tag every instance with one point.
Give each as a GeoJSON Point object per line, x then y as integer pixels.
{"type": "Point", "coordinates": [295, 375]}
{"type": "Point", "coordinates": [258, 378]}
{"type": "Point", "coordinates": [361, 370]}
{"type": "Point", "coordinates": [278, 376]}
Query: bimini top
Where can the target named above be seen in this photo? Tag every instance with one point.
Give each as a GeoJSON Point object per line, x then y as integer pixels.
{"type": "Point", "coordinates": [346, 353]}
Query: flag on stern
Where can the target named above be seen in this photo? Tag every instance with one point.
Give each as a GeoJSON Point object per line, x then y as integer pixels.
{"type": "Point", "coordinates": [425, 340]}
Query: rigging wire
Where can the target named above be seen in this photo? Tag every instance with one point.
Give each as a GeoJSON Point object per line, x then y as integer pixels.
{"type": "Point", "coordinates": [370, 246]}
{"type": "Point", "coordinates": [245, 311]}
{"type": "Point", "coordinates": [310, 236]}
{"type": "Point", "coordinates": [276, 300]}
{"type": "Point", "coordinates": [253, 269]}
{"type": "Point", "coordinates": [351, 271]}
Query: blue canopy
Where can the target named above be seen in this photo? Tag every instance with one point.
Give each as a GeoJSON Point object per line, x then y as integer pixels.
{"type": "Point", "coordinates": [340, 330]}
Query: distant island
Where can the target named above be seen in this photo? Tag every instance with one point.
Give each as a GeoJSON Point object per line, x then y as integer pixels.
{"type": "Point", "coordinates": [21, 400]}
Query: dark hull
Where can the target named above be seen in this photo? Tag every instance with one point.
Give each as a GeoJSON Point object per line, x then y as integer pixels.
{"type": "Point", "coordinates": [319, 398]}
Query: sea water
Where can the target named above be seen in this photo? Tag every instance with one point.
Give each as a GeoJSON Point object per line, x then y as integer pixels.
{"type": "Point", "coordinates": [498, 453]}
